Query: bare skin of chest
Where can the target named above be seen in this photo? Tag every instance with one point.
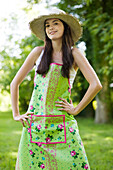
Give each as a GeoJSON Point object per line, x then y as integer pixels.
{"type": "Point", "coordinates": [57, 58]}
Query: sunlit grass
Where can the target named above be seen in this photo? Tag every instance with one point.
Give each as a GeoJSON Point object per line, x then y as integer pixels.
{"type": "Point", "coordinates": [10, 132]}
{"type": "Point", "coordinates": [97, 140]}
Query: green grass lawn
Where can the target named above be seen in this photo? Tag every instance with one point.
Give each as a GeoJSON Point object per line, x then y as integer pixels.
{"type": "Point", "coordinates": [97, 139]}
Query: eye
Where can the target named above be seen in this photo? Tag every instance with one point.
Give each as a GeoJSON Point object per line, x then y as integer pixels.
{"type": "Point", "coordinates": [56, 23]}
{"type": "Point", "coordinates": [46, 25]}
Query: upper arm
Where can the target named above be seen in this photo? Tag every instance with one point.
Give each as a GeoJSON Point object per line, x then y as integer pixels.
{"type": "Point", "coordinates": [85, 67]}
{"type": "Point", "coordinates": [27, 65]}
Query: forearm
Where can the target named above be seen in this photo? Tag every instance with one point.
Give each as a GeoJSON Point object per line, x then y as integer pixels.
{"type": "Point", "coordinates": [89, 95]}
{"type": "Point", "coordinates": [14, 99]}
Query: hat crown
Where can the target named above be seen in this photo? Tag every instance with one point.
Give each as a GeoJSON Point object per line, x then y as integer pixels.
{"type": "Point", "coordinates": [52, 10]}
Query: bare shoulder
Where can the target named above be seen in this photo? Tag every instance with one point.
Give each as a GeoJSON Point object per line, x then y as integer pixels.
{"type": "Point", "coordinates": [37, 51]}
{"type": "Point", "coordinates": [79, 57]}
{"type": "Point", "coordinates": [85, 67]}
{"type": "Point", "coordinates": [82, 62]}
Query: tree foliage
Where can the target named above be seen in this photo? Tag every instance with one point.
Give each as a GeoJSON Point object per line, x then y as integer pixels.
{"type": "Point", "coordinates": [96, 18]}
{"type": "Point", "coordinates": [10, 65]}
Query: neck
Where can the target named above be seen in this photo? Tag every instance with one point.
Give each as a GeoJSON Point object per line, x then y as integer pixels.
{"type": "Point", "coordinates": [57, 46]}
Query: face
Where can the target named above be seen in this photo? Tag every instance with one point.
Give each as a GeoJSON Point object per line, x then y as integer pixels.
{"type": "Point", "coordinates": [54, 28]}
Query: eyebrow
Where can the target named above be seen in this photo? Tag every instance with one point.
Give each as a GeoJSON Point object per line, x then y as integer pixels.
{"type": "Point", "coordinates": [52, 21]}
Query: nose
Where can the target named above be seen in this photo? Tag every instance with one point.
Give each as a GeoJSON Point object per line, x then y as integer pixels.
{"type": "Point", "coordinates": [51, 27]}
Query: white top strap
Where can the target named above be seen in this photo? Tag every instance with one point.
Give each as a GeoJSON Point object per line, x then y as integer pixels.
{"type": "Point", "coordinates": [72, 76]}
{"type": "Point", "coordinates": [39, 59]}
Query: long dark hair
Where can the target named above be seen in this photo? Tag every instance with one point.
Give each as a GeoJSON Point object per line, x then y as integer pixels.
{"type": "Point", "coordinates": [67, 43]}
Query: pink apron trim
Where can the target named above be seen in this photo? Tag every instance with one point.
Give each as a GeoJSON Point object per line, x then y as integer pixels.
{"type": "Point", "coordinates": [56, 64]}
{"type": "Point", "coordinates": [69, 85]}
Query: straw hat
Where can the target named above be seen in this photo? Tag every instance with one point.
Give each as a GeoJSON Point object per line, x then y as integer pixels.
{"type": "Point", "coordinates": [37, 24]}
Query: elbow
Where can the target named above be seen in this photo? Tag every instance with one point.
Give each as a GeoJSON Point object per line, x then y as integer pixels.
{"type": "Point", "coordinates": [13, 85]}
{"type": "Point", "coordinates": [98, 86]}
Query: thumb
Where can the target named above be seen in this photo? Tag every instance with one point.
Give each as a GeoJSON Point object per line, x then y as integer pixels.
{"type": "Point", "coordinates": [30, 113]}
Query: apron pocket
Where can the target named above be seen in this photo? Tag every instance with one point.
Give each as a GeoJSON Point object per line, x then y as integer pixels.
{"type": "Point", "coordinates": [48, 129]}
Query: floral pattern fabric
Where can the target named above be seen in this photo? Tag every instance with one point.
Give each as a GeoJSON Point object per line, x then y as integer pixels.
{"type": "Point", "coordinates": [47, 129]}
{"type": "Point", "coordinates": [52, 141]}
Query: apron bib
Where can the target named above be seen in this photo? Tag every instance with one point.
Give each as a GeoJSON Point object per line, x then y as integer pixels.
{"type": "Point", "coordinates": [48, 123]}
{"type": "Point", "coordinates": [52, 141]}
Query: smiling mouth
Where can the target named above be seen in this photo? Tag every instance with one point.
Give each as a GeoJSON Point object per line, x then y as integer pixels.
{"type": "Point", "coordinates": [53, 32]}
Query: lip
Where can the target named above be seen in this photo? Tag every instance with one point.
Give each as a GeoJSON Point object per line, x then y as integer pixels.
{"type": "Point", "coordinates": [53, 32]}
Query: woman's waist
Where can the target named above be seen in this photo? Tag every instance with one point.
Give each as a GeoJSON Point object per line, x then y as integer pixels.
{"type": "Point", "coordinates": [52, 114]}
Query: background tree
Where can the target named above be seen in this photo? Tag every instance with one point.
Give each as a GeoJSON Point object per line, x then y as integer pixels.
{"type": "Point", "coordinates": [96, 18]}
{"type": "Point", "coordinates": [10, 66]}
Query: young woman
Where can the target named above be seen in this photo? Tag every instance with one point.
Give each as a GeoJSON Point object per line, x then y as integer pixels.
{"type": "Point", "coordinates": [50, 138]}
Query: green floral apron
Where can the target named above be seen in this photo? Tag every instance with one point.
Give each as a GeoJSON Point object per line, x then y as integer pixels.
{"type": "Point", "coordinates": [52, 141]}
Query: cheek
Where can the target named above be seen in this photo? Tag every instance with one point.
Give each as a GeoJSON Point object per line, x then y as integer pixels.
{"type": "Point", "coordinates": [46, 30]}
{"type": "Point", "coordinates": [47, 33]}
{"type": "Point", "coordinates": [62, 30]}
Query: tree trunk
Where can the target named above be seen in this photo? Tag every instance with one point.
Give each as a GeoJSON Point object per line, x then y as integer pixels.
{"type": "Point", "coordinates": [102, 113]}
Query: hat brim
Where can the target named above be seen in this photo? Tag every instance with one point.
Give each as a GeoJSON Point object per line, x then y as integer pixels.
{"type": "Point", "coordinates": [37, 25]}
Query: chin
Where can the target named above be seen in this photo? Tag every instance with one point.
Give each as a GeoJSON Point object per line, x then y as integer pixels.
{"type": "Point", "coordinates": [54, 38]}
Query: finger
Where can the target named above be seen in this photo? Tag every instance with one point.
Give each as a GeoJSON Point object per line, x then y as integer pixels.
{"type": "Point", "coordinates": [64, 103]}
{"type": "Point", "coordinates": [29, 113]}
{"type": "Point", "coordinates": [27, 117]}
{"type": "Point", "coordinates": [67, 109]}
{"type": "Point", "coordinates": [64, 100]}
{"type": "Point", "coordinates": [62, 109]}
{"type": "Point", "coordinates": [26, 121]}
{"type": "Point", "coordinates": [59, 105]}
{"type": "Point", "coordinates": [59, 102]}
{"type": "Point", "coordinates": [22, 123]}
